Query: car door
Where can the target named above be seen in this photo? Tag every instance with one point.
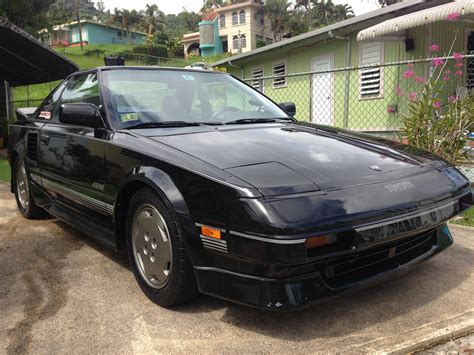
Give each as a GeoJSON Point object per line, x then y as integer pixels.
{"type": "Point", "coordinates": [72, 157]}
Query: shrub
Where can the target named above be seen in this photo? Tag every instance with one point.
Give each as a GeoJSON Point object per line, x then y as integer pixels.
{"type": "Point", "coordinates": [261, 43]}
{"type": "Point", "coordinates": [176, 48]}
{"type": "Point", "coordinates": [149, 53]}
{"type": "Point", "coordinates": [438, 121]}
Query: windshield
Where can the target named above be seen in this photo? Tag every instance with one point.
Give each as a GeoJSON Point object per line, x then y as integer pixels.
{"type": "Point", "coordinates": [141, 97]}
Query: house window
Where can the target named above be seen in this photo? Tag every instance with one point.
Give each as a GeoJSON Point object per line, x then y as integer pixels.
{"type": "Point", "coordinates": [279, 75]}
{"type": "Point", "coordinates": [370, 81]}
{"type": "Point", "coordinates": [119, 34]}
{"type": "Point", "coordinates": [235, 42]}
{"type": "Point", "coordinates": [242, 16]}
{"type": "Point", "coordinates": [235, 18]}
{"type": "Point", "coordinates": [222, 20]}
{"type": "Point", "coordinates": [261, 17]}
{"type": "Point", "coordinates": [243, 41]}
{"type": "Point", "coordinates": [257, 74]}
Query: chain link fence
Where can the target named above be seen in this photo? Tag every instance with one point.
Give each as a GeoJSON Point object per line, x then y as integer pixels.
{"type": "Point", "coordinates": [371, 98]}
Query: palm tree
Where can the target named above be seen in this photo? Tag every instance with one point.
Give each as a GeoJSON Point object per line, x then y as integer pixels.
{"type": "Point", "coordinates": [277, 12]}
{"type": "Point", "coordinates": [154, 19]}
{"type": "Point", "coordinates": [342, 12]}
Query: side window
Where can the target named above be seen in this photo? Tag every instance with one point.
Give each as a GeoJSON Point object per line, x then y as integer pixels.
{"type": "Point", "coordinates": [49, 107]}
{"type": "Point", "coordinates": [82, 88]}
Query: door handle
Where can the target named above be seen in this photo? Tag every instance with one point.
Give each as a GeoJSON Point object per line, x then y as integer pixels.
{"type": "Point", "coordinates": [44, 139]}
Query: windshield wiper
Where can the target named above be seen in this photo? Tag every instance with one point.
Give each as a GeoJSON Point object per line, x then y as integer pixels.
{"type": "Point", "coordinates": [258, 120]}
{"type": "Point", "coordinates": [163, 124]}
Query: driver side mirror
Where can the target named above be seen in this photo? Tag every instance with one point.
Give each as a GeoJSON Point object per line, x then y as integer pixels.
{"type": "Point", "coordinates": [80, 114]}
{"type": "Point", "coordinates": [289, 107]}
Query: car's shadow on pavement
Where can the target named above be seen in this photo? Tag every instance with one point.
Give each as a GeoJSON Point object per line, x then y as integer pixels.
{"type": "Point", "coordinates": [336, 317]}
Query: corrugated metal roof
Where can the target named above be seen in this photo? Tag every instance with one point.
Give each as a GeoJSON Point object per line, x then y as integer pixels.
{"type": "Point", "coordinates": [25, 60]}
{"type": "Point", "coordinates": [419, 18]}
{"type": "Point", "coordinates": [323, 33]}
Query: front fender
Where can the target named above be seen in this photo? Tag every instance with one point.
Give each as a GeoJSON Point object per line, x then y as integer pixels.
{"type": "Point", "coordinates": [164, 186]}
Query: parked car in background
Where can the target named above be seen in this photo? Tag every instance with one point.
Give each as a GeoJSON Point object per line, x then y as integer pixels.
{"type": "Point", "coordinates": [211, 187]}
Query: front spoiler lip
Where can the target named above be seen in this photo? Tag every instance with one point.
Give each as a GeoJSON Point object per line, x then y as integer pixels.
{"type": "Point", "coordinates": [279, 294]}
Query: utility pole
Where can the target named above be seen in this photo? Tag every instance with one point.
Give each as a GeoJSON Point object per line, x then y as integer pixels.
{"type": "Point", "coordinates": [79, 22]}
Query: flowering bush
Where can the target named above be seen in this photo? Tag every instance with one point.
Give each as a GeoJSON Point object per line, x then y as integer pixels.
{"type": "Point", "coordinates": [436, 120]}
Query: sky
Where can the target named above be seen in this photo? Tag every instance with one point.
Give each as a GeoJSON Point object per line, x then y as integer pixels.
{"type": "Point", "coordinates": [176, 6]}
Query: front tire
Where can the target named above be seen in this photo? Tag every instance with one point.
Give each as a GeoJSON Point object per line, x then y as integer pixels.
{"type": "Point", "coordinates": [157, 252]}
{"type": "Point", "coordinates": [24, 198]}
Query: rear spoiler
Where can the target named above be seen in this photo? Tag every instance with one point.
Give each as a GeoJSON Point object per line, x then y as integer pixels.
{"type": "Point", "coordinates": [24, 113]}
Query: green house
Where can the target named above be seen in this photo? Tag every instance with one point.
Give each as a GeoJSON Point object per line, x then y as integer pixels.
{"type": "Point", "coordinates": [92, 33]}
{"type": "Point", "coordinates": [352, 74]}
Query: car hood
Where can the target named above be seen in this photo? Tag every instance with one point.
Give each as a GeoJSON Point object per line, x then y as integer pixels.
{"type": "Point", "coordinates": [294, 158]}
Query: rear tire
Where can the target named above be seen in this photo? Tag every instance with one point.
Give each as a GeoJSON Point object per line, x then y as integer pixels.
{"type": "Point", "coordinates": [157, 252]}
{"type": "Point", "coordinates": [24, 198]}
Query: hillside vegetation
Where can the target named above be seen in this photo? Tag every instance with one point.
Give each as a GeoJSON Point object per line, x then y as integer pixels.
{"type": "Point", "coordinates": [92, 56]}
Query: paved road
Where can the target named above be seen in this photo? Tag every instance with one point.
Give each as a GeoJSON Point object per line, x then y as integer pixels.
{"type": "Point", "coordinates": [60, 291]}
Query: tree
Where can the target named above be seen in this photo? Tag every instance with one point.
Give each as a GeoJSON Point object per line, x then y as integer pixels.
{"type": "Point", "coordinates": [343, 12]}
{"type": "Point", "coordinates": [278, 13]}
{"type": "Point", "coordinates": [78, 18]}
{"type": "Point", "coordinates": [100, 5]}
{"type": "Point", "coordinates": [388, 2]}
{"type": "Point", "coordinates": [31, 16]}
{"type": "Point", "coordinates": [154, 19]}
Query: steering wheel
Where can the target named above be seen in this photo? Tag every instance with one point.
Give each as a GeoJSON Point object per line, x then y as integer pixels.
{"type": "Point", "coordinates": [223, 110]}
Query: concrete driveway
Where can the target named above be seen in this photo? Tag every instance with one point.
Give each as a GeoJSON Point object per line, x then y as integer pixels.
{"type": "Point", "coordinates": [60, 291]}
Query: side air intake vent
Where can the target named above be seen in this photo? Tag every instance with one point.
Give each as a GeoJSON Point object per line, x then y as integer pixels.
{"type": "Point", "coordinates": [214, 244]}
{"type": "Point", "coordinates": [32, 146]}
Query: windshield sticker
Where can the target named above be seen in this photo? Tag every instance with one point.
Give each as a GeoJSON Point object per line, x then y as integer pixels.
{"type": "Point", "coordinates": [188, 77]}
{"type": "Point", "coordinates": [45, 114]}
{"type": "Point", "coordinates": [127, 117]}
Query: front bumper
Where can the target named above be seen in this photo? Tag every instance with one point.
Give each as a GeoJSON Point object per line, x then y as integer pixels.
{"type": "Point", "coordinates": [330, 276]}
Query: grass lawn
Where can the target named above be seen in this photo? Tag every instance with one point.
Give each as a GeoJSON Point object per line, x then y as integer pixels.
{"type": "Point", "coordinates": [467, 218]}
{"type": "Point", "coordinates": [4, 170]}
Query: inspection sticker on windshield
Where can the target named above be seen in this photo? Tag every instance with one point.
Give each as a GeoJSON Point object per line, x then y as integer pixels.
{"type": "Point", "coordinates": [45, 114]}
{"type": "Point", "coordinates": [188, 77]}
{"type": "Point", "coordinates": [127, 117]}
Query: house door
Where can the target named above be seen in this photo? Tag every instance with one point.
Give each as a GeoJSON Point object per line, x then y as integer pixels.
{"type": "Point", "coordinates": [322, 92]}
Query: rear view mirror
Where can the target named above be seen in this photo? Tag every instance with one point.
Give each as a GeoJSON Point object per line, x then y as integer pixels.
{"type": "Point", "coordinates": [80, 114]}
{"type": "Point", "coordinates": [289, 107]}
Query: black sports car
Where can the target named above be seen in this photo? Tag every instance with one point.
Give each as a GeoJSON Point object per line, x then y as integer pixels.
{"type": "Point", "coordinates": [210, 186]}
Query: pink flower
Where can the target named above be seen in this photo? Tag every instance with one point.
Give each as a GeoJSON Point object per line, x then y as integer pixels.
{"type": "Point", "coordinates": [409, 74]}
{"type": "Point", "coordinates": [420, 79]}
{"type": "Point", "coordinates": [458, 56]}
{"type": "Point", "coordinates": [410, 65]}
{"type": "Point", "coordinates": [453, 16]}
{"type": "Point", "coordinates": [458, 73]}
{"type": "Point", "coordinates": [399, 91]}
{"type": "Point", "coordinates": [391, 109]}
{"type": "Point", "coordinates": [412, 96]}
{"type": "Point", "coordinates": [458, 65]}
{"type": "Point", "coordinates": [434, 48]}
{"type": "Point", "coordinates": [436, 104]}
{"type": "Point", "coordinates": [445, 78]}
{"type": "Point", "coordinates": [452, 98]}
{"type": "Point", "coordinates": [447, 72]}
{"type": "Point", "coordinates": [437, 62]}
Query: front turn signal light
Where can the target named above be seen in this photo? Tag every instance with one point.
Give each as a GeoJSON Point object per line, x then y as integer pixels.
{"type": "Point", "coordinates": [320, 240]}
{"type": "Point", "coordinates": [211, 232]}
